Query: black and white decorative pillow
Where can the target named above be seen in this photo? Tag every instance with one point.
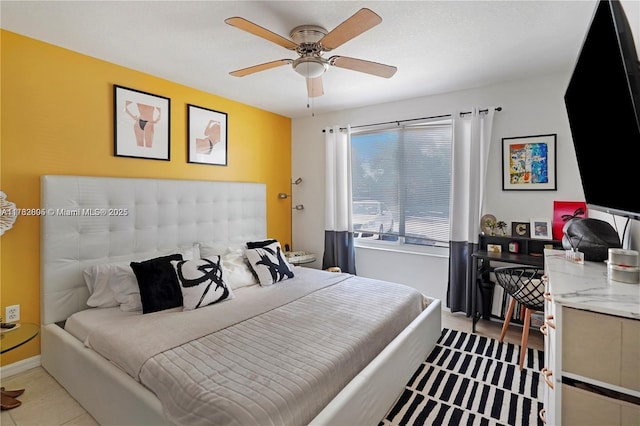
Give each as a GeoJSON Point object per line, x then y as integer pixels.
{"type": "Point", "coordinates": [201, 282]}
{"type": "Point", "coordinates": [269, 263]}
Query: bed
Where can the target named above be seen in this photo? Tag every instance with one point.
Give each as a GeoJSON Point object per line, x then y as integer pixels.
{"type": "Point", "coordinates": [317, 348]}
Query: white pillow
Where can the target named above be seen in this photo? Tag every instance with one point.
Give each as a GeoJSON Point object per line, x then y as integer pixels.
{"type": "Point", "coordinates": [269, 264]}
{"type": "Point", "coordinates": [218, 248]}
{"type": "Point", "coordinates": [96, 278]}
{"type": "Point", "coordinates": [236, 270]}
{"type": "Point", "coordinates": [201, 282]}
{"type": "Point", "coordinates": [125, 286]}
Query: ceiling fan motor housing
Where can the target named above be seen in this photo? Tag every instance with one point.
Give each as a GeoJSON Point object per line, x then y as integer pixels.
{"type": "Point", "coordinates": [310, 64]}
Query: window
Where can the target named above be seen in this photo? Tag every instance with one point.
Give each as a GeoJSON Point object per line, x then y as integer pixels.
{"type": "Point", "coordinates": [401, 180]}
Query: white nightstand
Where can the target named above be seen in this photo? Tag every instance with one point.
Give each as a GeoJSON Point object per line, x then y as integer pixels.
{"type": "Point", "coordinates": [300, 257]}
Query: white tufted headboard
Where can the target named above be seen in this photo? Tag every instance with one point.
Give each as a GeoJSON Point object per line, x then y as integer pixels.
{"type": "Point", "coordinates": [92, 220]}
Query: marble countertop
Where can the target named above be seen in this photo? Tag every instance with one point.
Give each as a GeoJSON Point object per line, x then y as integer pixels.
{"type": "Point", "coordinates": [586, 286]}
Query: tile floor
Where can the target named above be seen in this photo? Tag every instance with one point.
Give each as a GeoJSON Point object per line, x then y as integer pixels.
{"type": "Point", "coordinates": [46, 403]}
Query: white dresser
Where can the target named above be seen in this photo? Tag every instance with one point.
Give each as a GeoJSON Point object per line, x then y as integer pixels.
{"type": "Point", "coordinates": [591, 345]}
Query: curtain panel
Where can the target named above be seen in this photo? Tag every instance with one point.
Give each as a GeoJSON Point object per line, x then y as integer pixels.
{"type": "Point", "coordinates": [339, 249]}
{"type": "Point", "coordinates": [471, 142]}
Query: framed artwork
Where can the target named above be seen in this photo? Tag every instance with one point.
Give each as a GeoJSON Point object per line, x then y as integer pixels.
{"type": "Point", "coordinates": [563, 212]}
{"type": "Point", "coordinates": [141, 124]}
{"type": "Point", "coordinates": [541, 229]}
{"type": "Point", "coordinates": [207, 136]}
{"type": "Point", "coordinates": [529, 163]}
{"type": "Point", "coordinates": [520, 229]}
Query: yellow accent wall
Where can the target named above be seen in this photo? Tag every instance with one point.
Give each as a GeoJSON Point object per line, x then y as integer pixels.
{"type": "Point", "coordinates": [57, 118]}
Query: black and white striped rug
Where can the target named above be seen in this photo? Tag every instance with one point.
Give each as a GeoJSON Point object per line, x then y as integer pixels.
{"type": "Point", "coordinates": [472, 380]}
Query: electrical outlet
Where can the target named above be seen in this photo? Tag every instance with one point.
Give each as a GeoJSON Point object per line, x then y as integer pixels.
{"type": "Point", "coordinates": [12, 313]}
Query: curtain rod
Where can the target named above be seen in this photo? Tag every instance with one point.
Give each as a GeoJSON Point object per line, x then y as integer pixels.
{"type": "Point", "coordinates": [411, 119]}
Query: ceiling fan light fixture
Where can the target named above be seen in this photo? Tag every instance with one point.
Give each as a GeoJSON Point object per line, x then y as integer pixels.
{"type": "Point", "coordinates": [310, 67]}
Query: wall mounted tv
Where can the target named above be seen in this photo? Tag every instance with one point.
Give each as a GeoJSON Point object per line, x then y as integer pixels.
{"type": "Point", "coordinates": [603, 106]}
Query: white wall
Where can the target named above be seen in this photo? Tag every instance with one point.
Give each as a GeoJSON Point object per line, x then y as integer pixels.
{"type": "Point", "coordinates": [529, 107]}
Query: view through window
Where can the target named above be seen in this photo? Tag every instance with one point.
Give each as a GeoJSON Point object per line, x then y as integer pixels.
{"type": "Point", "coordinates": [401, 180]}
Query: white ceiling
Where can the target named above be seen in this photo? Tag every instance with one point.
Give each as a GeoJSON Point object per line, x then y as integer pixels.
{"type": "Point", "coordinates": [438, 46]}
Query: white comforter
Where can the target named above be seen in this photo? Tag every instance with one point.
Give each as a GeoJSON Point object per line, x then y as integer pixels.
{"type": "Point", "coordinates": [272, 356]}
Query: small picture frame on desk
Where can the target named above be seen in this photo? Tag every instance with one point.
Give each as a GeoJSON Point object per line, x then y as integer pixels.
{"type": "Point", "coordinates": [541, 229]}
{"type": "Point", "coordinates": [520, 229]}
{"type": "Point", "coordinates": [494, 248]}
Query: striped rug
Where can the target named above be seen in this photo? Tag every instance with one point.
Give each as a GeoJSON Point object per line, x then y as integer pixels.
{"type": "Point", "coordinates": [472, 380]}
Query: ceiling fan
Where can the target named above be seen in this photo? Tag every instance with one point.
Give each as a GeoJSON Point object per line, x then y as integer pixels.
{"type": "Point", "coordinates": [311, 42]}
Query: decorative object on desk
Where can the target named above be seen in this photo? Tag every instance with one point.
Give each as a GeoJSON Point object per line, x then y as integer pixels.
{"type": "Point", "coordinates": [207, 136]}
{"type": "Point", "coordinates": [622, 266]}
{"type": "Point", "coordinates": [529, 163]}
{"type": "Point", "coordinates": [488, 224]}
{"type": "Point", "coordinates": [520, 229]}
{"type": "Point", "coordinates": [141, 124]}
{"type": "Point", "coordinates": [8, 216]}
{"type": "Point", "coordinates": [593, 237]}
{"type": "Point", "coordinates": [513, 247]}
{"type": "Point", "coordinates": [574, 256]}
{"type": "Point", "coordinates": [494, 248]}
{"type": "Point", "coordinates": [541, 229]}
{"type": "Point", "coordinates": [564, 211]}
{"type": "Point", "coordinates": [502, 226]}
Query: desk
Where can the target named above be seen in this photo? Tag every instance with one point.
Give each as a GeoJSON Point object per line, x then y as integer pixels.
{"type": "Point", "coordinates": [530, 253]}
{"type": "Point", "coordinates": [10, 340]}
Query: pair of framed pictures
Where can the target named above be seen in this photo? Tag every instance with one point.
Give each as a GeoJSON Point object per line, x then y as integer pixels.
{"type": "Point", "coordinates": [535, 228]}
{"type": "Point", "coordinates": [142, 128]}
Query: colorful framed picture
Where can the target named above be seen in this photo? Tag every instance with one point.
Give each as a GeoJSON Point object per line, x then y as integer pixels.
{"type": "Point", "coordinates": [529, 163]}
{"type": "Point", "coordinates": [141, 124]}
{"type": "Point", "coordinates": [207, 136]}
{"type": "Point", "coordinates": [541, 229]}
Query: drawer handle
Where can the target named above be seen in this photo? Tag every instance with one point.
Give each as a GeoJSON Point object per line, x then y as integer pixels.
{"type": "Point", "coordinates": [545, 278]}
{"type": "Point", "coordinates": [545, 374]}
{"type": "Point", "coordinates": [543, 330]}
{"type": "Point", "coordinates": [541, 415]}
{"type": "Point", "coordinates": [547, 296]}
{"type": "Point", "coordinates": [550, 322]}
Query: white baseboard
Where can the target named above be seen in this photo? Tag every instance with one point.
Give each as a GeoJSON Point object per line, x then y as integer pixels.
{"type": "Point", "coordinates": [20, 366]}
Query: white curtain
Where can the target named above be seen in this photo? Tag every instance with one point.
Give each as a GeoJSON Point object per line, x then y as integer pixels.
{"type": "Point", "coordinates": [338, 242]}
{"type": "Point", "coordinates": [471, 142]}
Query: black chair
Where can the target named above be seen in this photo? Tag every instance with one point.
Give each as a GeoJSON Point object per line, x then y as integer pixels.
{"type": "Point", "coordinates": [525, 286]}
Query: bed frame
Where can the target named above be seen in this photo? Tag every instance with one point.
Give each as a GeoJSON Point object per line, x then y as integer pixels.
{"type": "Point", "coordinates": [94, 220]}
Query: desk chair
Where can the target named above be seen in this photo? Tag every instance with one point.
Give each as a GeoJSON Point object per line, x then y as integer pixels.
{"type": "Point", "coordinates": [526, 287]}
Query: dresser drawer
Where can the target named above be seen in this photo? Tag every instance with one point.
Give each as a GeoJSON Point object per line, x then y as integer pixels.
{"type": "Point", "coordinates": [601, 347]}
{"type": "Point", "coordinates": [584, 408]}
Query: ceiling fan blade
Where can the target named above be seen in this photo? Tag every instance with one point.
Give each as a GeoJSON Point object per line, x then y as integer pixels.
{"type": "Point", "coordinates": [260, 67]}
{"type": "Point", "coordinates": [259, 31]}
{"type": "Point", "coordinates": [374, 68]}
{"type": "Point", "coordinates": [314, 87]}
{"type": "Point", "coordinates": [359, 22]}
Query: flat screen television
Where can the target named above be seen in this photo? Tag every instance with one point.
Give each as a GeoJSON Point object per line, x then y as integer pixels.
{"type": "Point", "coordinates": [603, 106]}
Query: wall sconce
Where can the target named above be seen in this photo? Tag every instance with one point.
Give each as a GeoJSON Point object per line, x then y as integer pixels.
{"type": "Point", "coordinates": [283, 196]}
